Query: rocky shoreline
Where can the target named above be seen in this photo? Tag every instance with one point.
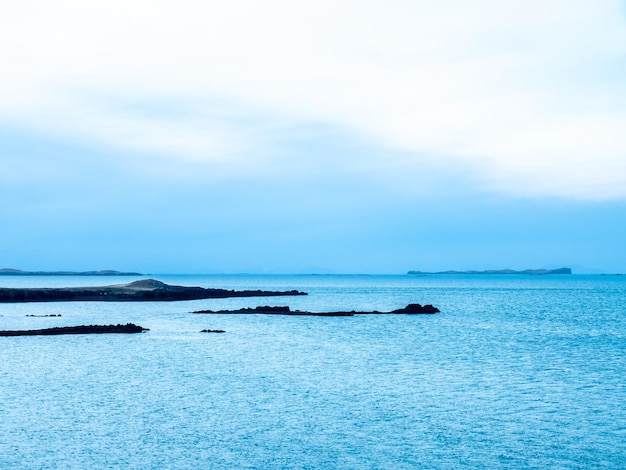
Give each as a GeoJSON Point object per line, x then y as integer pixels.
{"type": "Point", "coordinates": [411, 309]}
{"type": "Point", "coordinates": [147, 290]}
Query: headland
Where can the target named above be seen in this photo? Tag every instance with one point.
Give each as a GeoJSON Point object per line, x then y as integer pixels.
{"type": "Point", "coordinates": [146, 290]}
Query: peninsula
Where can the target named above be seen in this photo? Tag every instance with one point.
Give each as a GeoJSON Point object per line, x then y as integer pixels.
{"type": "Point", "coordinates": [77, 330]}
{"type": "Point", "coordinates": [532, 272]}
{"type": "Point", "coordinates": [105, 272]}
{"type": "Point", "coordinates": [146, 290]}
{"type": "Point", "coordinates": [410, 309]}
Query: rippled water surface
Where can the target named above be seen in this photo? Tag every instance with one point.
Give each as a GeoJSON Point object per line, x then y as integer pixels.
{"type": "Point", "coordinates": [516, 371]}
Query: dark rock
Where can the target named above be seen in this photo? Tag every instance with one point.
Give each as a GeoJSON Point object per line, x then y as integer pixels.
{"type": "Point", "coordinates": [417, 308]}
{"type": "Point", "coordinates": [77, 330]}
{"type": "Point", "coordinates": [266, 310]}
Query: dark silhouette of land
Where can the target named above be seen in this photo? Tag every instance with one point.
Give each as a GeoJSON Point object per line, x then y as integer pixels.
{"type": "Point", "coordinates": [410, 309]}
{"type": "Point", "coordinates": [145, 290]}
{"type": "Point", "coordinates": [77, 330]}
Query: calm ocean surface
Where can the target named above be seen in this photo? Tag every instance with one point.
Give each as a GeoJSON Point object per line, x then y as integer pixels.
{"type": "Point", "coordinates": [515, 372]}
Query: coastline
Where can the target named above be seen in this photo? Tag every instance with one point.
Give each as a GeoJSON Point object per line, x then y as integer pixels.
{"type": "Point", "coordinates": [146, 290]}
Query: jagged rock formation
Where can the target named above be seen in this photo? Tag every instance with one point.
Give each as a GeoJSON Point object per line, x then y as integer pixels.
{"type": "Point", "coordinates": [410, 309]}
{"type": "Point", "coordinates": [77, 330]}
{"type": "Point", "coordinates": [138, 291]}
{"type": "Point", "coordinates": [416, 308]}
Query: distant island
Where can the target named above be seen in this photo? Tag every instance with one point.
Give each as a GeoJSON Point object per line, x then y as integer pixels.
{"type": "Point", "coordinates": [532, 272]}
{"type": "Point", "coordinates": [146, 290]}
{"type": "Point", "coordinates": [78, 330]}
{"type": "Point", "coordinates": [104, 272]}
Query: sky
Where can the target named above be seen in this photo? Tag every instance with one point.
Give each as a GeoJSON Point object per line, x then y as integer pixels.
{"type": "Point", "coordinates": [313, 137]}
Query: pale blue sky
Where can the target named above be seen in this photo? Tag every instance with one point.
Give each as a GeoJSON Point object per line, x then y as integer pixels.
{"type": "Point", "coordinates": [344, 136]}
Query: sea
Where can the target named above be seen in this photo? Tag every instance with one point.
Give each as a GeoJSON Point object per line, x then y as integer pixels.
{"type": "Point", "coordinates": [516, 371]}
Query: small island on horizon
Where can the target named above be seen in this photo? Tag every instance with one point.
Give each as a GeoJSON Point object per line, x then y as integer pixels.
{"type": "Point", "coordinates": [532, 272]}
{"type": "Point", "coordinates": [103, 272]}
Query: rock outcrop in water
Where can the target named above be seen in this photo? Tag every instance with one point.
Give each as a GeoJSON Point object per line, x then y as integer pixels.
{"type": "Point", "coordinates": [410, 309]}
{"type": "Point", "coordinates": [77, 330]}
{"type": "Point", "coordinates": [139, 291]}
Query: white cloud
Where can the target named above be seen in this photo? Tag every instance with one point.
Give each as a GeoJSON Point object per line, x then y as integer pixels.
{"type": "Point", "coordinates": [531, 94]}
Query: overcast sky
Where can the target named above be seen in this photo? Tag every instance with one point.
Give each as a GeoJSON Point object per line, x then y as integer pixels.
{"type": "Point", "coordinates": [345, 136]}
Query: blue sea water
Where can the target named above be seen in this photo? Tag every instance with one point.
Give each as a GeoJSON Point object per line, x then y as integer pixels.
{"type": "Point", "coordinates": [515, 372]}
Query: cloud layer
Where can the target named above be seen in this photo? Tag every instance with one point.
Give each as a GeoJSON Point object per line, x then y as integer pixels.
{"type": "Point", "coordinates": [531, 96]}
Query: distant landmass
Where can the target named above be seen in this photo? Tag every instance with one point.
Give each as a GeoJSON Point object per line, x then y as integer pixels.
{"type": "Point", "coordinates": [533, 272]}
{"type": "Point", "coordinates": [105, 272]}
